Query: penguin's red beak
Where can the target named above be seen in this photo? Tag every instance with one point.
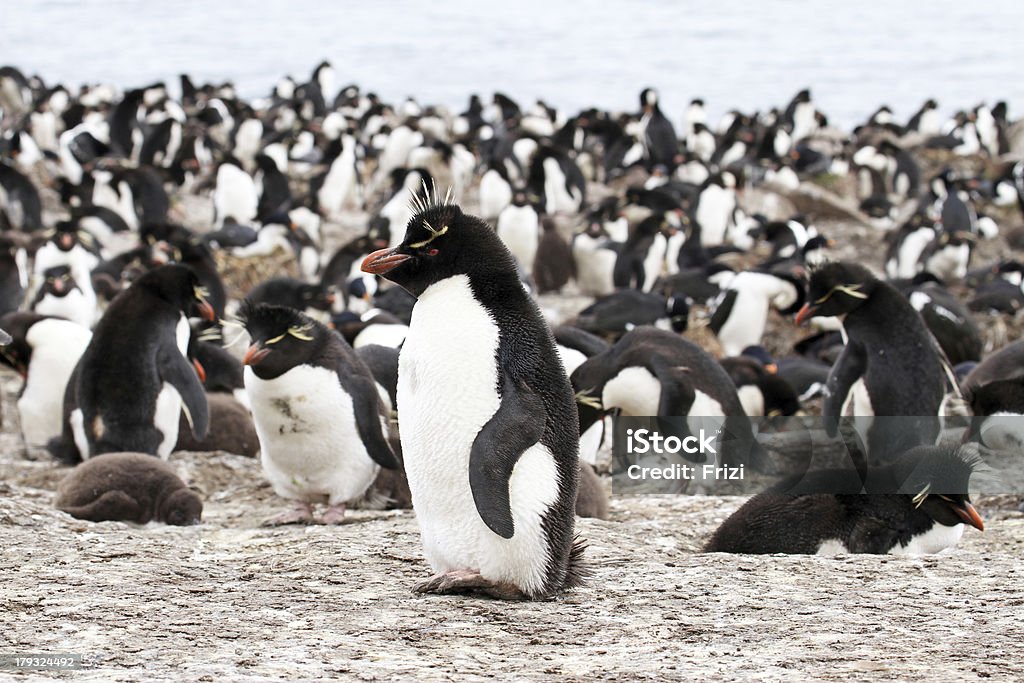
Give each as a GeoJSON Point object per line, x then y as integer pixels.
{"type": "Point", "coordinates": [255, 355]}
{"type": "Point", "coordinates": [200, 370]}
{"type": "Point", "coordinates": [805, 314]}
{"type": "Point", "coordinates": [383, 261]}
{"type": "Point", "coordinates": [206, 311]}
{"type": "Point", "coordinates": [969, 515]}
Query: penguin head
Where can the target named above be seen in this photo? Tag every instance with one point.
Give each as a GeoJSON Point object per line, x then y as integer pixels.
{"type": "Point", "coordinates": [58, 281]}
{"type": "Point", "coordinates": [178, 286]}
{"type": "Point", "coordinates": [15, 351]}
{"type": "Point", "coordinates": [282, 338]}
{"type": "Point", "coordinates": [678, 312]}
{"type": "Point", "coordinates": [182, 508]}
{"type": "Point", "coordinates": [836, 288]}
{"type": "Point", "coordinates": [440, 242]}
{"type": "Point", "coordinates": [938, 477]}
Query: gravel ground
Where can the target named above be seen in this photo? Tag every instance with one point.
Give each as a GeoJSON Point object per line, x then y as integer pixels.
{"type": "Point", "coordinates": [230, 600]}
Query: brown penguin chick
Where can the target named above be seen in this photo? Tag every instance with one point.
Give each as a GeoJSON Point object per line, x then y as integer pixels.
{"type": "Point", "coordinates": [591, 498]}
{"type": "Point", "coordinates": [231, 429]}
{"type": "Point", "coordinates": [128, 487]}
{"type": "Point", "coordinates": [553, 266]}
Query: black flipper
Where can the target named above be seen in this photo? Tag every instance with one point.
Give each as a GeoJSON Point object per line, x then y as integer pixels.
{"type": "Point", "coordinates": [848, 369]}
{"type": "Point", "coordinates": [515, 426]}
{"type": "Point", "coordinates": [179, 373]}
{"type": "Point", "coordinates": [368, 424]}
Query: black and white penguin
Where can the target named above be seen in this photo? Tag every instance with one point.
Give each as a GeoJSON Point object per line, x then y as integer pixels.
{"type": "Point", "coordinates": [495, 190]}
{"type": "Point", "coordinates": [235, 194]}
{"type": "Point", "coordinates": [641, 259]}
{"type": "Point", "coordinates": [493, 483]}
{"type": "Point", "coordinates": [761, 390]}
{"type": "Point", "coordinates": [322, 425]}
{"type": "Point", "coordinates": [660, 141]}
{"type": "Point", "coordinates": [60, 295]}
{"type": "Point", "coordinates": [627, 309]}
{"type": "Point", "coordinates": [340, 184]}
{"type": "Point", "coordinates": [133, 380]}
{"type": "Point", "coordinates": [926, 120]}
{"type": "Point", "coordinates": [827, 523]}
{"type": "Point", "coordinates": [907, 246]}
{"type": "Point", "coordinates": [947, 319]}
{"type": "Point", "coordinates": [13, 274]}
{"type": "Point", "coordinates": [20, 200]}
{"type": "Point", "coordinates": [275, 195]}
{"type": "Point", "coordinates": [740, 312]}
{"type": "Point", "coordinates": [44, 351]}
{"type": "Point", "coordinates": [595, 251]}
{"type": "Point", "coordinates": [518, 226]}
{"type": "Point", "coordinates": [128, 487]}
{"type": "Point", "coordinates": [287, 291]}
{"type": "Point", "coordinates": [651, 372]}
{"type": "Point", "coordinates": [995, 391]}
{"type": "Point", "coordinates": [890, 366]}
{"type": "Point", "coordinates": [557, 180]}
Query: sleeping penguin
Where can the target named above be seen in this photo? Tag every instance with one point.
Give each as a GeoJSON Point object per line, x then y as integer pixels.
{"type": "Point", "coordinates": [321, 421]}
{"type": "Point", "coordinates": [133, 379]}
{"type": "Point", "coordinates": [891, 364]}
{"type": "Point", "coordinates": [487, 417]}
{"type": "Point", "coordinates": [923, 510]}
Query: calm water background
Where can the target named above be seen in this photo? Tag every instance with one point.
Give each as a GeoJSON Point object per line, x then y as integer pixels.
{"type": "Point", "coordinates": [749, 55]}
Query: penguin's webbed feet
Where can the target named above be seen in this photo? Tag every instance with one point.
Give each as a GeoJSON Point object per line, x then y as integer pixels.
{"type": "Point", "coordinates": [462, 581]}
{"type": "Point", "coordinates": [335, 514]}
{"type": "Point", "coordinates": [300, 513]}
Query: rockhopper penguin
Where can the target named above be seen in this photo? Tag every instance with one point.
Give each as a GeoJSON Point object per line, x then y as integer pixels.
{"type": "Point", "coordinates": [486, 414]}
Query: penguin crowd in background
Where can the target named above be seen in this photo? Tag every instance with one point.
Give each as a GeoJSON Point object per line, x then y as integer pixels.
{"type": "Point", "coordinates": [651, 262]}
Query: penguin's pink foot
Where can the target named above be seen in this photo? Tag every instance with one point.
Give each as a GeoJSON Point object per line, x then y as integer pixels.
{"type": "Point", "coordinates": [470, 581]}
{"type": "Point", "coordinates": [301, 513]}
{"type": "Point", "coordinates": [335, 515]}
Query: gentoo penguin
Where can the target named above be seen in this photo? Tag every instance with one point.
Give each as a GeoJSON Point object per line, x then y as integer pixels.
{"type": "Point", "coordinates": [929, 520]}
{"type": "Point", "coordinates": [891, 364]}
{"type": "Point", "coordinates": [44, 352]}
{"type": "Point", "coordinates": [741, 310]}
{"type": "Point", "coordinates": [128, 487]}
{"type": "Point", "coordinates": [60, 295]}
{"type": "Point", "coordinates": [518, 227]}
{"type": "Point", "coordinates": [651, 372]}
{"type": "Point", "coordinates": [627, 309]}
{"type": "Point", "coordinates": [133, 379]}
{"type": "Point", "coordinates": [553, 266]}
{"type": "Point", "coordinates": [494, 479]}
{"type": "Point", "coordinates": [322, 425]}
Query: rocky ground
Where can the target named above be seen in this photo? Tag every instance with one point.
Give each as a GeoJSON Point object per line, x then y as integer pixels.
{"type": "Point", "coordinates": [231, 600]}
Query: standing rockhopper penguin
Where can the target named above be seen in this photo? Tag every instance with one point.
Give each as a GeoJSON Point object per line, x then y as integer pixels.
{"type": "Point", "coordinates": [486, 414]}
{"type": "Point", "coordinates": [321, 422]}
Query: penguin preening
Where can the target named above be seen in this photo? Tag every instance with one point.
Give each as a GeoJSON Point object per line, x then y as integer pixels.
{"type": "Point", "coordinates": [133, 379]}
{"type": "Point", "coordinates": [487, 416]}
{"type": "Point", "coordinates": [322, 425]}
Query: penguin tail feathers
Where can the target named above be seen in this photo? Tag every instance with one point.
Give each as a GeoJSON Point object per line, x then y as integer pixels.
{"type": "Point", "coordinates": [577, 571]}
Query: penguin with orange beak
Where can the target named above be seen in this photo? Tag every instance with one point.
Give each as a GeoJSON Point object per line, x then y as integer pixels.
{"type": "Point", "coordinates": [891, 365]}
{"type": "Point", "coordinates": [134, 379]}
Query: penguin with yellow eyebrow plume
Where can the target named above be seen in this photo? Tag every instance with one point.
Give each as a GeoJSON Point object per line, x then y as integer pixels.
{"type": "Point", "coordinates": [486, 414]}
{"type": "Point", "coordinates": [891, 365]}
{"type": "Point", "coordinates": [320, 418]}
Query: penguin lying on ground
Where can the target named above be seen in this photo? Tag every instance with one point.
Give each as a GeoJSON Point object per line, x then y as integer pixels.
{"type": "Point", "coordinates": [626, 309]}
{"type": "Point", "coordinates": [128, 487]}
{"type": "Point", "coordinates": [486, 416]}
{"type": "Point", "coordinates": [322, 425]}
{"type": "Point", "coordinates": [892, 523]}
{"type": "Point", "coordinates": [133, 380]}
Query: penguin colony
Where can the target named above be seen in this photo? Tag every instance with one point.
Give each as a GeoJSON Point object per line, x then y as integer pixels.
{"type": "Point", "coordinates": [411, 247]}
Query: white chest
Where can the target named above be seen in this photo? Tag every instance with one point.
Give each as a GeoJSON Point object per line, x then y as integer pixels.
{"type": "Point", "coordinates": [309, 444]}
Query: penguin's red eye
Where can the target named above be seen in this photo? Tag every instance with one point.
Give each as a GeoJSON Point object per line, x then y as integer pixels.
{"type": "Point", "coordinates": [432, 252]}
